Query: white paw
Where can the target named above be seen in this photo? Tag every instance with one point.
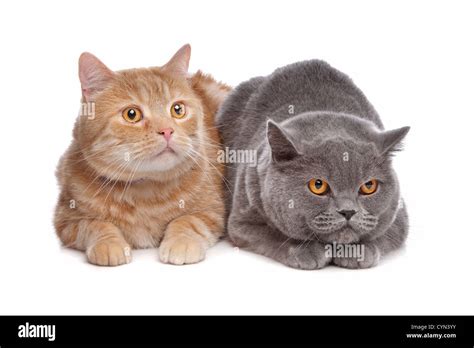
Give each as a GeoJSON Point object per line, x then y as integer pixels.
{"type": "Point", "coordinates": [181, 250]}
{"type": "Point", "coordinates": [109, 253]}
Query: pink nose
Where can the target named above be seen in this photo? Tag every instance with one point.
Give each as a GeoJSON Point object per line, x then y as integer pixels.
{"type": "Point", "coordinates": [166, 132]}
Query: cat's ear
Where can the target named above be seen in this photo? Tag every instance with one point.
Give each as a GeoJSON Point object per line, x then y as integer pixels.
{"type": "Point", "coordinates": [391, 140]}
{"type": "Point", "coordinates": [93, 74]}
{"type": "Point", "coordinates": [282, 147]}
{"type": "Point", "coordinates": [179, 63]}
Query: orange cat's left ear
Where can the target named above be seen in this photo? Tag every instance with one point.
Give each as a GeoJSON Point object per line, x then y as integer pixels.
{"type": "Point", "coordinates": [179, 63]}
{"type": "Point", "coordinates": [94, 75]}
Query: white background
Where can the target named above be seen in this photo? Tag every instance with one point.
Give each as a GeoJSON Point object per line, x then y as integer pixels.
{"type": "Point", "coordinates": [413, 59]}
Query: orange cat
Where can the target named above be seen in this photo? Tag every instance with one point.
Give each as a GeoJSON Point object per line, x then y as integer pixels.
{"type": "Point", "coordinates": [142, 168]}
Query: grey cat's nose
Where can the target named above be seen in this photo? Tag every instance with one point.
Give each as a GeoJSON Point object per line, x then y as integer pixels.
{"type": "Point", "coordinates": [347, 213]}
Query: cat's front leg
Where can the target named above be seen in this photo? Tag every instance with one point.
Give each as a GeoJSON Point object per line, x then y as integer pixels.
{"type": "Point", "coordinates": [102, 241]}
{"type": "Point", "coordinates": [305, 255]}
{"type": "Point", "coordinates": [368, 257]}
{"type": "Point", "coordinates": [188, 237]}
{"type": "Point", "coordinates": [250, 233]}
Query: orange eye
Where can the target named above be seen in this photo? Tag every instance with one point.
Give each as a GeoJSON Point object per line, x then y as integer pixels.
{"type": "Point", "coordinates": [369, 187]}
{"type": "Point", "coordinates": [318, 186]}
{"type": "Point", "coordinates": [132, 114]}
{"type": "Point", "coordinates": [178, 110]}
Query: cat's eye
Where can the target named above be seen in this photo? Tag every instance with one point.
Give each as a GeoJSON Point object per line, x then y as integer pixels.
{"type": "Point", "coordinates": [132, 114]}
{"type": "Point", "coordinates": [318, 186]}
{"type": "Point", "coordinates": [369, 187]}
{"type": "Point", "coordinates": [178, 110]}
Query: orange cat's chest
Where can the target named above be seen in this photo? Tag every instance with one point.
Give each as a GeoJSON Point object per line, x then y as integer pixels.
{"type": "Point", "coordinates": [143, 221]}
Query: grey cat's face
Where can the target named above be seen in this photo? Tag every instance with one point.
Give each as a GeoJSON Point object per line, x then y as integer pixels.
{"type": "Point", "coordinates": [331, 188]}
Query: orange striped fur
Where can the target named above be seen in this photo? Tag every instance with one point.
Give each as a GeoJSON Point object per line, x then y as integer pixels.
{"type": "Point", "coordinates": [117, 192]}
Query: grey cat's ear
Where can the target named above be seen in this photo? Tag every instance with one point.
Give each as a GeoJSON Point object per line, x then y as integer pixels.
{"type": "Point", "coordinates": [179, 63]}
{"type": "Point", "coordinates": [391, 140]}
{"type": "Point", "coordinates": [93, 74]}
{"type": "Point", "coordinates": [282, 147]}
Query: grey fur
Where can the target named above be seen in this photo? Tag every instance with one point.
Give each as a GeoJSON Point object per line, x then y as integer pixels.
{"type": "Point", "coordinates": [272, 212]}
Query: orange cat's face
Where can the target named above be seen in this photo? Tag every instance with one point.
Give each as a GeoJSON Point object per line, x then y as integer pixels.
{"type": "Point", "coordinates": [146, 123]}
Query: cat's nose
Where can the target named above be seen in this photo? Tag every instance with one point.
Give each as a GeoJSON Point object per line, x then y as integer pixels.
{"type": "Point", "coordinates": [166, 132]}
{"type": "Point", "coordinates": [347, 213]}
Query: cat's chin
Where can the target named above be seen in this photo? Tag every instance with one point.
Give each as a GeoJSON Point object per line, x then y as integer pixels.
{"type": "Point", "coordinates": [164, 161]}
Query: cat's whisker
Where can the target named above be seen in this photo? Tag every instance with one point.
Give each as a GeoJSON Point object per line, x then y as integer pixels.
{"type": "Point", "coordinates": [222, 164]}
{"type": "Point", "coordinates": [117, 172]}
{"type": "Point", "coordinates": [99, 154]}
{"type": "Point", "coordinates": [106, 148]}
{"type": "Point", "coordinates": [202, 169]}
{"type": "Point", "coordinates": [217, 147]}
{"type": "Point", "coordinates": [214, 127]}
{"type": "Point", "coordinates": [217, 170]}
{"type": "Point", "coordinates": [301, 244]}
{"type": "Point", "coordinates": [205, 150]}
{"type": "Point", "coordinates": [108, 180]}
{"type": "Point", "coordinates": [116, 180]}
{"type": "Point", "coordinates": [130, 178]}
{"type": "Point", "coordinates": [282, 244]}
{"type": "Point", "coordinates": [210, 142]}
{"type": "Point", "coordinates": [103, 153]}
{"type": "Point", "coordinates": [101, 173]}
{"type": "Point", "coordinates": [199, 154]}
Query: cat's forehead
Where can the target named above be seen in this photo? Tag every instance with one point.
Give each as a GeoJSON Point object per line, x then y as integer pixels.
{"type": "Point", "coordinates": [333, 137]}
{"type": "Point", "coordinates": [339, 151]}
{"type": "Point", "coordinates": [344, 162]}
{"type": "Point", "coordinates": [150, 86]}
{"type": "Point", "coordinates": [345, 147]}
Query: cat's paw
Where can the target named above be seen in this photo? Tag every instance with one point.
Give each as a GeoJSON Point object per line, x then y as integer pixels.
{"type": "Point", "coordinates": [307, 257]}
{"type": "Point", "coordinates": [369, 258]}
{"type": "Point", "coordinates": [180, 250]}
{"type": "Point", "coordinates": [113, 252]}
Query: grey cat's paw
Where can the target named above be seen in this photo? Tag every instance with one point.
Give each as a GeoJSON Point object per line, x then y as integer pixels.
{"type": "Point", "coordinates": [371, 258]}
{"type": "Point", "coordinates": [307, 257]}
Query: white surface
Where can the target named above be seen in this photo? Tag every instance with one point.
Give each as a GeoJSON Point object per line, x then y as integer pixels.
{"type": "Point", "coordinates": [414, 61]}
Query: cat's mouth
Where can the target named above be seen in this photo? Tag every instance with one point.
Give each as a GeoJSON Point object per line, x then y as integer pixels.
{"type": "Point", "coordinates": [166, 150]}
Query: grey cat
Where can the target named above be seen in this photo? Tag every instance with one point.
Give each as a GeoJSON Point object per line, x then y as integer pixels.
{"type": "Point", "coordinates": [323, 178]}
